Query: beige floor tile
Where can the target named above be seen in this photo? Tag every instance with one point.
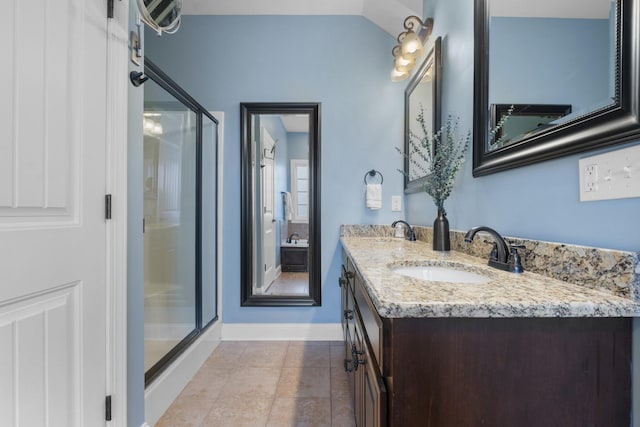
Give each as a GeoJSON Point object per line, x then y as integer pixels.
{"type": "Point", "coordinates": [186, 411]}
{"type": "Point", "coordinates": [300, 412]}
{"type": "Point", "coordinates": [264, 354]}
{"type": "Point", "coordinates": [308, 355]}
{"type": "Point", "coordinates": [340, 383]}
{"type": "Point", "coordinates": [342, 412]}
{"type": "Point", "coordinates": [337, 356]}
{"type": "Point", "coordinates": [207, 382]}
{"type": "Point", "coordinates": [251, 383]}
{"type": "Point", "coordinates": [304, 382]}
{"type": "Point", "coordinates": [233, 412]}
{"type": "Point", "coordinates": [227, 391]}
{"type": "Point", "coordinates": [227, 354]}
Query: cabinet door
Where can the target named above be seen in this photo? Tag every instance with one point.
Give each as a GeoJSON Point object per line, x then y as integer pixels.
{"type": "Point", "coordinates": [370, 395]}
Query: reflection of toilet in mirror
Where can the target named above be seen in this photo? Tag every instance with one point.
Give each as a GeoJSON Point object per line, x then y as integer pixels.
{"type": "Point", "coordinates": [294, 260]}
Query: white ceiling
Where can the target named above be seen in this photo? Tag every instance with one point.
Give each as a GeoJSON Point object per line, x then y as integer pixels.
{"type": "Point", "coordinates": [387, 14]}
{"type": "Point", "coordinates": [295, 122]}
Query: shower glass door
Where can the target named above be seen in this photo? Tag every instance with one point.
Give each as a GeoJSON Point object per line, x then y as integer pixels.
{"type": "Point", "coordinates": [169, 226]}
{"type": "Point", "coordinates": [180, 177]}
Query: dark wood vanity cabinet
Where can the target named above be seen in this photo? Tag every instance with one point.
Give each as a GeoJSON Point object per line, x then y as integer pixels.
{"type": "Point", "coordinates": [498, 372]}
{"type": "Point", "coordinates": [294, 259]}
{"type": "Point", "coordinates": [368, 390]}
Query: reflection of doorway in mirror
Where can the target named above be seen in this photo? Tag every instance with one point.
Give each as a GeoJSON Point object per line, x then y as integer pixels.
{"type": "Point", "coordinates": [268, 147]}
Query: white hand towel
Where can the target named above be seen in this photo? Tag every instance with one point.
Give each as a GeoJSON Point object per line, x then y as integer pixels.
{"type": "Point", "coordinates": [374, 196]}
{"type": "Point", "coordinates": [288, 206]}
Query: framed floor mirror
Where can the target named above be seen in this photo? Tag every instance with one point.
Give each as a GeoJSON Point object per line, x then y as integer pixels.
{"type": "Point", "coordinates": [280, 204]}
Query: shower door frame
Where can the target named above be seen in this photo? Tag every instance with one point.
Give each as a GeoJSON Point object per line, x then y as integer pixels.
{"type": "Point", "coordinates": [166, 83]}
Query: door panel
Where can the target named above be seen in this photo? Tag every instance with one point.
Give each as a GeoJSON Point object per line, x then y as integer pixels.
{"type": "Point", "coordinates": [52, 226]}
{"type": "Point", "coordinates": [269, 229]}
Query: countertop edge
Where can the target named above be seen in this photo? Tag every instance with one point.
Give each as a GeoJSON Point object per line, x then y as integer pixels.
{"type": "Point", "coordinates": [603, 304]}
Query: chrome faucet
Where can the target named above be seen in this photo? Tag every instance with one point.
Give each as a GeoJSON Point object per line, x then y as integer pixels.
{"type": "Point", "coordinates": [294, 236]}
{"type": "Point", "coordinates": [503, 256]}
{"type": "Point", "coordinates": [411, 236]}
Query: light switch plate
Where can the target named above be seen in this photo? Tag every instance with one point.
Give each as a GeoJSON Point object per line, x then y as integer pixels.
{"type": "Point", "coordinates": [613, 175]}
{"type": "Point", "coordinates": [396, 203]}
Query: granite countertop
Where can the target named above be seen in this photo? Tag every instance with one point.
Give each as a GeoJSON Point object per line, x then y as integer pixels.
{"type": "Point", "coordinates": [506, 295]}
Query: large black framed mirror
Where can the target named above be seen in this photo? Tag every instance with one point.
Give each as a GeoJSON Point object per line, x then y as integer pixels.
{"type": "Point", "coordinates": [422, 105]}
{"type": "Point", "coordinates": [422, 98]}
{"type": "Point", "coordinates": [584, 55]}
{"type": "Point", "coordinates": [280, 204]}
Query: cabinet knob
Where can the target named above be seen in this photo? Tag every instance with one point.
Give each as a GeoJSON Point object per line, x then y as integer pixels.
{"type": "Point", "coordinates": [355, 355]}
{"type": "Point", "coordinates": [348, 314]}
{"type": "Point", "coordinates": [342, 281]}
{"type": "Point", "coordinates": [347, 365]}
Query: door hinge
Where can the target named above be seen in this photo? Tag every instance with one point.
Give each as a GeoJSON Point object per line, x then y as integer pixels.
{"type": "Point", "coordinates": [110, 8]}
{"type": "Point", "coordinates": [107, 206]}
{"type": "Point", "coordinates": [107, 408]}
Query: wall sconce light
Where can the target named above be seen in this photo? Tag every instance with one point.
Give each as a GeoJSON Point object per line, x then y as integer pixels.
{"type": "Point", "coordinates": [410, 45]}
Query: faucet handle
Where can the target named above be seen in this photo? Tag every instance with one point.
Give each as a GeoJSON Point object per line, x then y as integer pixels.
{"type": "Point", "coordinates": [515, 244]}
{"type": "Point", "coordinates": [494, 250]}
{"type": "Point", "coordinates": [515, 261]}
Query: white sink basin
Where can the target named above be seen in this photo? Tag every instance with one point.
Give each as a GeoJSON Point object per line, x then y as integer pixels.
{"type": "Point", "coordinates": [441, 274]}
{"type": "Point", "coordinates": [299, 243]}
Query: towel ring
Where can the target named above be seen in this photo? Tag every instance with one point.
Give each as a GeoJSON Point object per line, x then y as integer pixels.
{"type": "Point", "coordinates": [372, 173]}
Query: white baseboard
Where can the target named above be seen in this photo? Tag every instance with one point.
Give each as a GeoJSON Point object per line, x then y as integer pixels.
{"type": "Point", "coordinates": [159, 395]}
{"type": "Point", "coordinates": [282, 332]}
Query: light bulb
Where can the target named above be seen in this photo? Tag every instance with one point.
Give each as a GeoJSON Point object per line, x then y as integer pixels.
{"type": "Point", "coordinates": [411, 45]}
{"type": "Point", "coordinates": [404, 64]}
{"type": "Point", "coordinates": [398, 75]}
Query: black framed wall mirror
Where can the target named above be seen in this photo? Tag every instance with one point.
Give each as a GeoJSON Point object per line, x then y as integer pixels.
{"type": "Point", "coordinates": [422, 99]}
{"type": "Point", "coordinates": [280, 184]}
{"type": "Point", "coordinates": [582, 55]}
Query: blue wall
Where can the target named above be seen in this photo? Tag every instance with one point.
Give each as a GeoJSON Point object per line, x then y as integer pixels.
{"type": "Point", "coordinates": [298, 145]}
{"type": "Point", "coordinates": [535, 61]}
{"type": "Point", "coordinates": [342, 62]}
{"type": "Point", "coordinates": [540, 201]}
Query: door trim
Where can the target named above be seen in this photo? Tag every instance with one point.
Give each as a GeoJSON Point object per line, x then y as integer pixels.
{"type": "Point", "coordinates": [116, 181]}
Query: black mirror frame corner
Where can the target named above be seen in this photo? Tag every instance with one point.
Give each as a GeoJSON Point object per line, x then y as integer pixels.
{"type": "Point", "coordinates": [616, 124]}
{"type": "Point", "coordinates": [433, 57]}
{"type": "Point", "coordinates": [247, 298]}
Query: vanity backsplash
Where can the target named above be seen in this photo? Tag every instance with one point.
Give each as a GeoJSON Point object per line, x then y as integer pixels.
{"type": "Point", "coordinates": [616, 272]}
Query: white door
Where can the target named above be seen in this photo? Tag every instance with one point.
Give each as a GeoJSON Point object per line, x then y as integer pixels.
{"type": "Point", "coordinates": [268, 220]}
{"type": "Point", "coordinates": [52, 214]}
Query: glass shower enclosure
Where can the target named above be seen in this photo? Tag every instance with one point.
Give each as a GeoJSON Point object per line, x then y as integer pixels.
{"type": "Point", "coordinates": [180, 220]}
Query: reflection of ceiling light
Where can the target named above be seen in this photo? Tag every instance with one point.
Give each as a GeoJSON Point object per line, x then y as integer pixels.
{"type": "Point", "coordinates": [428, 76]}
{"type": "Point", "coordinates": [411, 42]}
{"type": "Point", "coordinates": [148, 114]}
{"type": "Point", "coordinates": [151, 126]}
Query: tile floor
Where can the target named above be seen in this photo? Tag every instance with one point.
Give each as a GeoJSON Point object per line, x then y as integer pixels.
{"type": "Point", "coordinates": [266, 384]}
